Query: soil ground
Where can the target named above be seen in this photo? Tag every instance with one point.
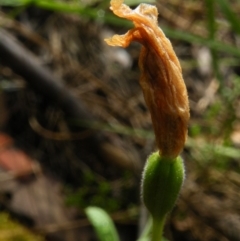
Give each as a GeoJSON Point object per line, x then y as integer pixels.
{"type": "Point", "coordinates": [96, 157]}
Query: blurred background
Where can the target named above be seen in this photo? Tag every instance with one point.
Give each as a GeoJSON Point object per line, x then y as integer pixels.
{"type": "Point", "coordinates": [75, 131]}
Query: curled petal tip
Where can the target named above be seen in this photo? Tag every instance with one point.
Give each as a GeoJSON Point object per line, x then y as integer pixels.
{"type": "Point", "coordinates": [161, 78]}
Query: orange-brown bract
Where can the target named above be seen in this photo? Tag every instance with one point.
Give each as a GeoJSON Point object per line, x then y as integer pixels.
{"type": "Point", "coordinates": [161, 76]}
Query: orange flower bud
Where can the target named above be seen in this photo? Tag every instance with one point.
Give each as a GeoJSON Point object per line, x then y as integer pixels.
{"type": "Point", "coordinates": [161, 76]}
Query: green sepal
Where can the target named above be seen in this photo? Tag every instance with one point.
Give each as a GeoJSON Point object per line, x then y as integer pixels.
{"type": "Point", "coordinates": [161, 184]}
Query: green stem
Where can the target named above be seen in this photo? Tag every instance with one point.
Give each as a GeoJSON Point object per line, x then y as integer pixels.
{"type": "Point", "coordinates": [157, 229]}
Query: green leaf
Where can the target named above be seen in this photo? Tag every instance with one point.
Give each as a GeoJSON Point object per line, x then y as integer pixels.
{"type": "Point", "coordinates": [233, 19]}
{"type": "Point", "coordinates": [195, 39]}
{"type": "Point", "coordinates": [93, 13]}
{"type": "Point", "coordinates": [102, 224]}
{"type": "Point", "coordinates": [14, 3]}
{"type": "Point", "coordinates": [211, 25]}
